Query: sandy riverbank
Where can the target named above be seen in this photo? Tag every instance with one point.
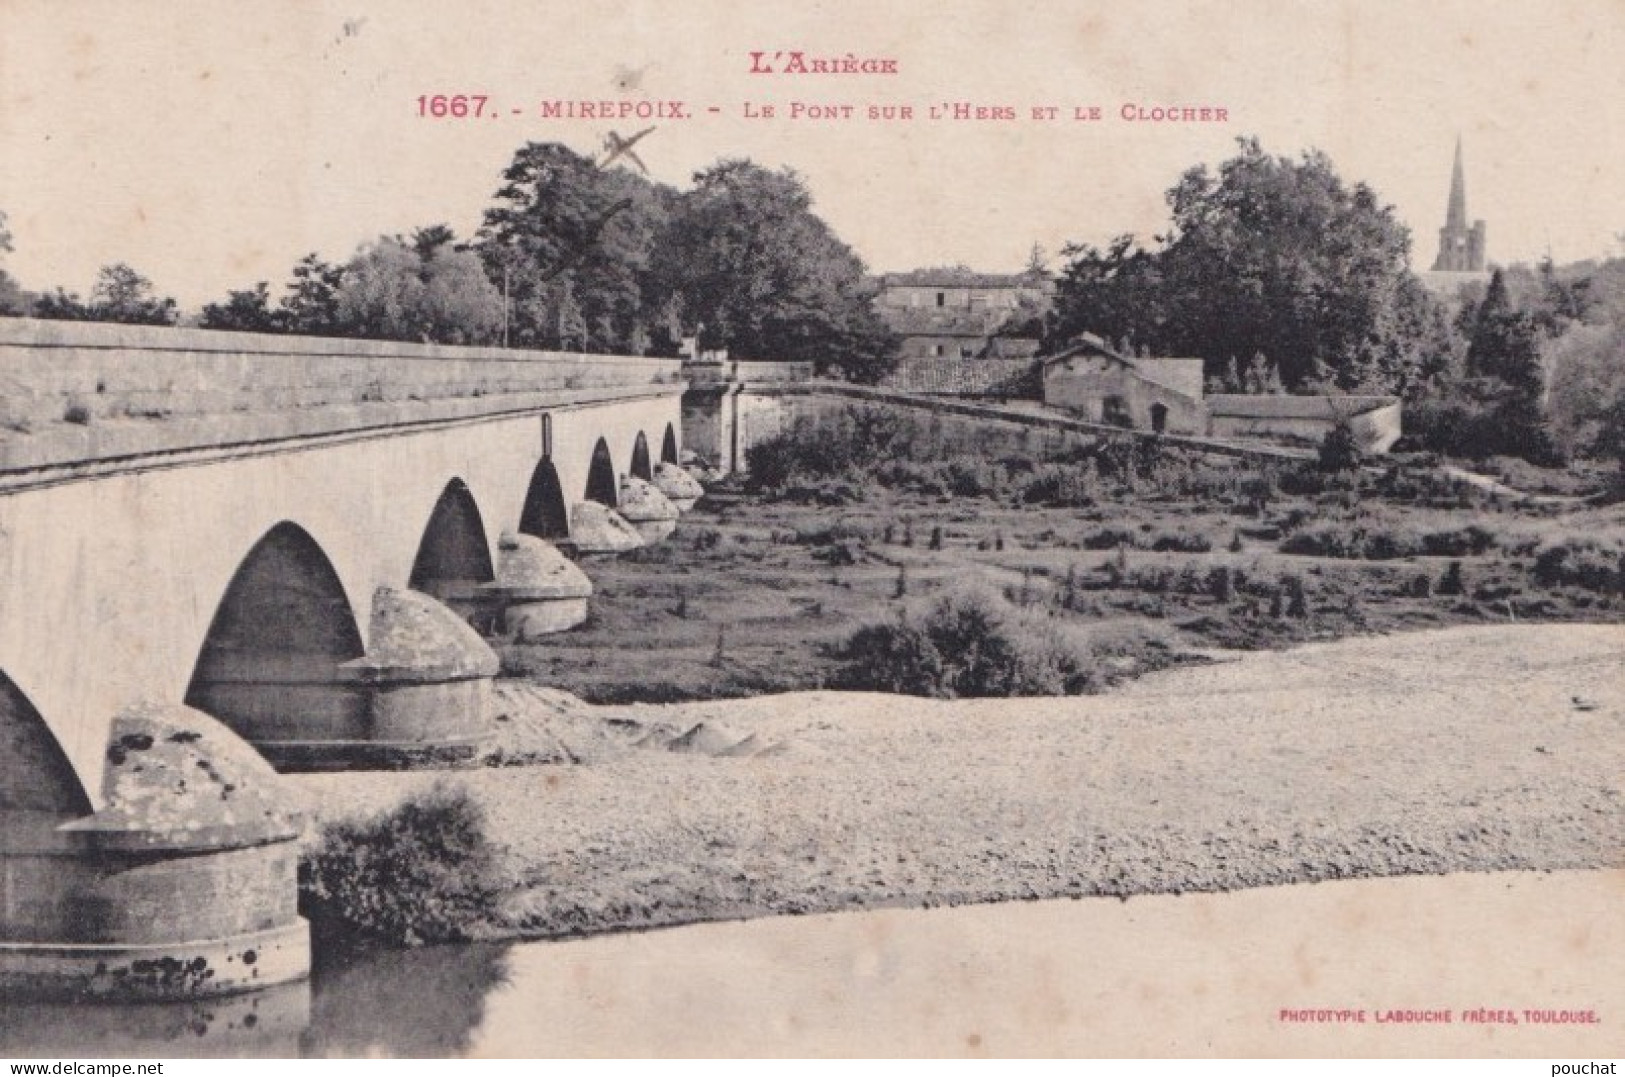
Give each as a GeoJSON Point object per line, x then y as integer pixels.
{"type": "Point", "coordinates": [1475, 749]}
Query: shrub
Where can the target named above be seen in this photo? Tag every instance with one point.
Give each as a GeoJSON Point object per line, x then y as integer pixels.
{"type": "Point", "coordinates": [829, 533]}
{"type": "Point", "coordinates": [1590, 564]}
{"type": "Point", "coordinates": [1109, 538]}
{"type": "Point", "coordinates": [1450, 583]}
{"type": "Point", "coordinates": [424, 872]}
{"type": "Point", "coordinates": [968, 644]}
{"type": "Point", "coordinates": [1297, 601]}
{"type": "Point", "coordinates": [1381, 540]}
{"type": "Point", "coordinates": [846, 445]}
{"type": "Point", "coordinates": [897, 657]}
{"type": "Point", "coordinates": [1182, 542]}
{"type": "Point", "coordinates": [1469, 541]}
{"type": "Point", "coordinates": [1339, 449]}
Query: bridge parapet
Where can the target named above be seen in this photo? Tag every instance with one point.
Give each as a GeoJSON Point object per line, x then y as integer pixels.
{"type": "Point", "coordinates": [76, 391]}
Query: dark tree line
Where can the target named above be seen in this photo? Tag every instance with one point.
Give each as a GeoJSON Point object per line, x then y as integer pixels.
{"type": "Point", "coordinates": [604, 260]}
{"type": "Point", "coordinates": [578, 257]}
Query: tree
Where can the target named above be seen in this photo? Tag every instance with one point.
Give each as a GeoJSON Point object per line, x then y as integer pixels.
{"type": "Point", "coordinates": [425, 290]}
{"type": "Point", "coordinates": [380, 292]}
{"type": "Point", "coordinates": [460, 304]}
{"type": "Point", "coordinates": [745, 257]}
{"type": "Point", "coordinates": [245, 311]}
{"type": "Point", "coordinates": [1265, 255]}
{"type": "Point", "coordinates": [120, 295]}
{"type": "Point", "coordinates": [1340, 449]}
{"type": "Point", "coordinates": [311, 305]}
{"type": "Point", "coordinates": [62, 305]}
{"type": "Point", "coordinates": [12, 299]}
{"type": "Point", "coordinates": [560, 219]}
{"type": "Point", "coordinates": [1116, 292]}
{"type": "Point", "coordinates": [123, 295]}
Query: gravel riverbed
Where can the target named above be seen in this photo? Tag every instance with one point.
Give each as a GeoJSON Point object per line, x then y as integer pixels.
{"type": "Point", "coordinates": [1465, 749]}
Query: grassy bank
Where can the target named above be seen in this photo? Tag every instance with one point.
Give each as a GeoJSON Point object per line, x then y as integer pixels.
{"type": "Point", "coordinates": [1099, 560]}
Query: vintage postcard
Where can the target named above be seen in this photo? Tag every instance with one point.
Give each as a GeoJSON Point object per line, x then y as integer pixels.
{"type": "Point", "coordinates": [812, 528]}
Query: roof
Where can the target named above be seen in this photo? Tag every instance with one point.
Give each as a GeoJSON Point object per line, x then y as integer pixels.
{"type": "Point", "coordinates": [961, 277]}
{"type": "Point", "coordinates": [1086, 344]}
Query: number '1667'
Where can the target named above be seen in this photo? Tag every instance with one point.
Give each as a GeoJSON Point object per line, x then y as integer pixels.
{"type": "Point", "coordinates": [454, 106]}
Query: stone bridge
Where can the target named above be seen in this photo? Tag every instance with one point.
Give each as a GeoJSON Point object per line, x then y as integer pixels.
{"type": "Point", "coordinates": [225, 553]}
{"type": "Point", "coordinates": [221, 552]}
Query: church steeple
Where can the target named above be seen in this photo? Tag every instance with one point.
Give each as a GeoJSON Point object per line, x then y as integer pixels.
{"type": "Point", "coordinates": [1456, 216]}
{"type": "Point", "coordinates": [1461, 249]}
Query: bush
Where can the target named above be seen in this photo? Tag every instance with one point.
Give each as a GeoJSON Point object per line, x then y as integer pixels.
{"type": "Point", "coordinates": [1380, 540]}
{"type": "Point", "coordinates": [1339, 449]}
{"type": "Point", "coordinates": [1109, 538]}
{"type": "Point", "coordinates": [1589, 564]}
{"type": "Point", "coordinates": [1480, 418]}
{"type": "Point", "coordinates": [1181, 542]}
{"type": "Point", "coordinates": [969, 645]}
{"type": "Point", "coordinates": [897, 657]}
{"type": "Point", "coordinates": [1450, 583]}
{"type": "Point", "coordinates": [847, 445]}
{"type": "Point", "coordinates": [425, 872]}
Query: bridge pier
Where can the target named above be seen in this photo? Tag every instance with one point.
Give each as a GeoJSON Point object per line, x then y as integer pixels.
{"type": "Point", "coordinates": [598, 529]}
{"type": "Point", "coordinates": [421, 693]}
{"type": "Point", "coordinates": [648, 511]}
{"type": "Point", "coordinates": [539, 590]}
{"type": "Point", "coordinates": [182, 885]}
{"type": "Point", "coordinates": [680, 488]}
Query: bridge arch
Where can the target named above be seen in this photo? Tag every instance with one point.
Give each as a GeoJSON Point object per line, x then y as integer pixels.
{"type": "Point", "coordinates": [454, 555]}
{"type": "Point", "coordinates": [641, 468]}
{"type": "Point", "coordinates": [545, 513]}
{"type": "Point", "coordinates": [602, 485]}
{"type": "Point", "coordinates": [668, 446]}
{"type": "Point", "coordinates": [270, 664]}
{"type": "Point", "coordinates": [39, 777]}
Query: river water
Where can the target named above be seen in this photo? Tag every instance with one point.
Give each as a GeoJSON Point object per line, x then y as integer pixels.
{"type": "Point", "coordinates": [1165, 975]}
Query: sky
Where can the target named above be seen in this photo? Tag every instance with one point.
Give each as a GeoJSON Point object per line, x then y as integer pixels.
{"type": "Point", "coordinates": [211, 144]}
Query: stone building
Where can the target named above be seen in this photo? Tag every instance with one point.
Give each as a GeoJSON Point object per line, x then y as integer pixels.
{"type": "Point", "coordinates": [1090, 378]}
{"type": "Point", "coordinates": [956, 313]}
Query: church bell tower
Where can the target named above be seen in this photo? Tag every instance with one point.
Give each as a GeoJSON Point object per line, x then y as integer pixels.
{"type": "Point", "coordinates": [1461, 249]}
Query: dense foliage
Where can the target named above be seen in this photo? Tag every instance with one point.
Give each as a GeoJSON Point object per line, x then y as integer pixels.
{"type": "Point", "coordinates": [1268, 257]}
{"type": "Point", "coordinates": [121, 295]}
{"type": "Point", "coordinates": [425, 872]}
{"type": "Point", "coordinates": [967, 644]}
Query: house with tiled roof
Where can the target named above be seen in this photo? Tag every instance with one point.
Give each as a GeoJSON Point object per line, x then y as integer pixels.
{"type": "Point", "coordinates": [958, 313]}
{"type": "Point", "coordinates": [1093, 380]}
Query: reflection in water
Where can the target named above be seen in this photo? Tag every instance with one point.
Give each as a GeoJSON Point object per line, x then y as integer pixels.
{"type": "Point", "coordinates": [423, 1003]}
{"type": "Point", "coordinates": [259, 1024]}
{"type": "Point", "coordinates": [361, 1002]}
